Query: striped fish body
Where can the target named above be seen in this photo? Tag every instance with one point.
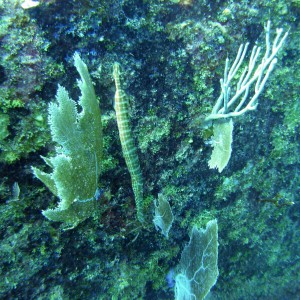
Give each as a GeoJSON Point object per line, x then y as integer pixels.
{"type": "Point", "coordinates": [127, 142]}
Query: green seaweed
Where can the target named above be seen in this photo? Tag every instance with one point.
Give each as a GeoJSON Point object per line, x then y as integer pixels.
{"type": "Point", "coordinates": [77, 164]}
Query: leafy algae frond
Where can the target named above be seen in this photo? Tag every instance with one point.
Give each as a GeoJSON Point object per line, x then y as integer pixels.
{"type": "Point", "coordinates": [128, 147]}
{"type": "Point", "coordinates": [77, 163]}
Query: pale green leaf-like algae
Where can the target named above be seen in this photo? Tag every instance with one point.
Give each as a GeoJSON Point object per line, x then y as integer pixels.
{"type": "Point", "coordinates": [77, 163]}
